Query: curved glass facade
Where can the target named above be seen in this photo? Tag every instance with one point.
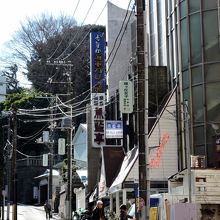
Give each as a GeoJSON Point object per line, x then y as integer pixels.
{"type": "Point", "coordinates": [194, 35]}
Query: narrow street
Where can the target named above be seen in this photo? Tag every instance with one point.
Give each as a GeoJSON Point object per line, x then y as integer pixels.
{"type": "Point", "coordinates": [27, 212]}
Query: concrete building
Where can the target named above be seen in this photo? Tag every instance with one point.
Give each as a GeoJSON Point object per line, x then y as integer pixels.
{"type": "Point", "coordinates": [162, 158]}
{"type": "Point", "coordinates": [118, 63]}
{"type": "Point", "coordinates": [205, 190]}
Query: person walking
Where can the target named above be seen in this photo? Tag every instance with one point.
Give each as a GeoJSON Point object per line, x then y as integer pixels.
{"type": "Point", "coordinates": [123, 213]}
{"type": "Point", "coordinates": [47, 208]}
{"type": "Point", "coordinates": [98, 211]}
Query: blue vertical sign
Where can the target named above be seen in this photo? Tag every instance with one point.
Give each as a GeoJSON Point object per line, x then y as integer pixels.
{"type": "Point", "coordinates": [97, 62]}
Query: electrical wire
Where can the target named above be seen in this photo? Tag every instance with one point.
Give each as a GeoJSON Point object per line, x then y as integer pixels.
{"type": "Point", "coordinates": [115, 42]}
{"type": "Point", "coordinates": [120, 39]}
{"type": "Point", "coordinates": [88, 11]}
{"type": "Point", "coordinates": [62, 39]}
{"type": "Point", "coordinates": [34, 135]}
{"type": "Point", "coordinates": [86, 34]}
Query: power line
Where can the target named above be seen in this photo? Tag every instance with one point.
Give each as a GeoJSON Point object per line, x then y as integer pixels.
{"type": "Point", "coordinates": [114, 45]}
{"type": "Point", "coordinates": [121, 39]}
{"type": "Point", "coordinates": [63, 37]}
{"type": "Point", "coordinates": [90, 7]}
{"type": "Point", "coordinates": [86, 34]}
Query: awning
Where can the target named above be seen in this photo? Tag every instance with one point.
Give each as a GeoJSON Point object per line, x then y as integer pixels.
{"type": "Point", "coordinates": [126, 167]}
{"type": "Point", "coordinates": [47, 173]}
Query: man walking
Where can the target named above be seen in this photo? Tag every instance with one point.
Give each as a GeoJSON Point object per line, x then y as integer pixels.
{"type": "Point", "coordinates": [47, 208]}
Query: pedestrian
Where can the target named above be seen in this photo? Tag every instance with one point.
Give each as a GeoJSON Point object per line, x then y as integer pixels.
{"type": "Point", "coordinates": [47, 208]}
{"type": "Point", "coordinates": [123, 213]}
{"type": "Point", "coordinates": [98, 211]}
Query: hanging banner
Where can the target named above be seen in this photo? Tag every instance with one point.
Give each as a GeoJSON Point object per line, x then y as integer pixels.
{"type": "Point", "coordinates": [97, 62]}
{"type": "Point", "coordinates": [45, 160]}
{"type": "Point", "coordinates": [61, 146]}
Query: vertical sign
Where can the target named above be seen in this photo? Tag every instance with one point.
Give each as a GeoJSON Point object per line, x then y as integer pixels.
{"type": "Point", "coordinates": [97, 62]}
{"type": "Point", "coordinates": [61, 146]}
{"type": "Point", "coordinates": [98, 87]}
{"type": "Point", "coordinates": [126, 96]}
{"type": "Point", "coordinates": [46, 136]}
{"type": "Point", "coordinates": [45, 160]}
{"type": "Point", "coordinates": [98, 119]}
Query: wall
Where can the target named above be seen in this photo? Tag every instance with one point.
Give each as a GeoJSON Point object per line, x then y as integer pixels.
{"type": "Point", "coordinates": [120, 65]}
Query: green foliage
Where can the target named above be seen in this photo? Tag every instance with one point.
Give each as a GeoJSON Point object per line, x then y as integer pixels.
{"type": "Point", "coordinates": [63, 171]}
{"type": "Point", "coordinates": [22, 99]}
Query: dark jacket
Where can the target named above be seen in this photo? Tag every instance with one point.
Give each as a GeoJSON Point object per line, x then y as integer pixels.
{"type": "Point", "coordinates": [124, 215]}
{"type": "Point", "coordinates": [97, 214]}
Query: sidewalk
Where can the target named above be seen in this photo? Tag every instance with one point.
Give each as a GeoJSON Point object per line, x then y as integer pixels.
{"type": "Point", "coordinates": [56, 216]}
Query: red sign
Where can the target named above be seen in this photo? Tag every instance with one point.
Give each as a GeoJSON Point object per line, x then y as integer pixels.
{"type": "Point", "coordinates": [156, 158]}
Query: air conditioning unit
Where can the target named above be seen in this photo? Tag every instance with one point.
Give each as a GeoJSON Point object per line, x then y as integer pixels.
{"type": "Point", "coordinates": [198, 161]}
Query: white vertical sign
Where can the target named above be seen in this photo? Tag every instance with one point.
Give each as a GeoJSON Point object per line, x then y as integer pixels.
{"type": "Point", "coordinates": [45, 160]}
{"type": "Point", "coordinates": [61, 146]}
{"type": "Point", "coordinates": [98, 119]}
{"type": "Point", "coordinates": [46, 136]}
{"type": "Point", "coordinates": [126, 96]}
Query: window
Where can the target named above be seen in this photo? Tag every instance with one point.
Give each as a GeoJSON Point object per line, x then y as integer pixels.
{"type": "Point", "coordinates": [185, 79]}
{"type": "Point", "coordinates": [198, 105]}
{"type": "Point", "coordinates": [212, 72]}
{"type": "Point", "coordinates": [186, 95]}
{"type": "Point", "coordinates": [183, 9]}
{"type": "Point", "coordinates": [197, 75]}
{"type": "Point", "coordinates": [210, 4]}
{"type": "Point", "coordinates": [184, 43]}
{"type": "Point", "coordinates": [210, 26]}
{"type": "Point", "coordinates": [195, 38]}
{"type": "Point", "coordinates": [213, 101]}
{"type": "Point", "coordinates": [199, 136]}
{"type": "Point", "coordinates": [194, 5]}
{"type": "Point", "coordinates": [199, 150]}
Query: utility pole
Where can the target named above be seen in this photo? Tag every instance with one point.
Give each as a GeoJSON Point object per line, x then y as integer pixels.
{"type": "Point", "coordinates": [9, 167]}
{"type": "Point", "coordinates": [69, 144]}
{"type": "Point", "coordinates": [187, 143]}
{"type": "Point", "coordinates": [144, 197]}
{"type": "Point", "coordinates": [14, 169]}
{"type": "Point", "coordinates": [69, 65]}
{"type": "Point", "coordinates": [51, 148]}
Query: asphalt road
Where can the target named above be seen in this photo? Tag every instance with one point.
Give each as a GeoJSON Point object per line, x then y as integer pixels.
{"type": "Point", "coordinates": [27, 212]}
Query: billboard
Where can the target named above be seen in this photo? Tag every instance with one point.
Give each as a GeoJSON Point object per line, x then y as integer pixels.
{"type": "Point", "coordinates": [114, 129]}
{"type": "Point", "coordinates": [97, 62]}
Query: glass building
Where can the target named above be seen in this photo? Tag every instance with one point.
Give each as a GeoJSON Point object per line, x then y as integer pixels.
{"type": "Point", "coordinates": [191, 50]}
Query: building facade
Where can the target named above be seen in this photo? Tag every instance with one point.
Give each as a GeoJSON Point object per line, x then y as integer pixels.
{"type": "Point", "coordinates": [193, 60]}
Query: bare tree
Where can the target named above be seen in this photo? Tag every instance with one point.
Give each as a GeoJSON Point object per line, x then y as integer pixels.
{"type": "Point", "coordinates": [11, 77]}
